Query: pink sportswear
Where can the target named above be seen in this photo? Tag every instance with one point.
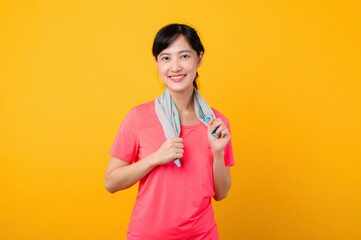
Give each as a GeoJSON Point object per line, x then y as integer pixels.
{"type": "Point", "coordinates": [172, 202]}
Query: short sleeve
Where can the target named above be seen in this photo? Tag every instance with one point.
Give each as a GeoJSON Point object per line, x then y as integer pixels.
{"type": "Point", "coordinates": [228, 151]}
{"type": "Point", "coordinates": [125, 145]}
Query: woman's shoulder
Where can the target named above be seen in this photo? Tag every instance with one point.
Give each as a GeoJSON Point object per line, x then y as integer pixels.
{"type": "Point", "coordinates": [138, 111]}
{"type": "Point", "coordinates": [147, 106]}
{"type": "Point", "coordinates": [142, 114]}
{"type": "Point", "coordinates": [144, 111]}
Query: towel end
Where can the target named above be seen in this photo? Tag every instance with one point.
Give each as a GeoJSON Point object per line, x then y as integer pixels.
{"type": "Point", "coordinates": [177, 162]}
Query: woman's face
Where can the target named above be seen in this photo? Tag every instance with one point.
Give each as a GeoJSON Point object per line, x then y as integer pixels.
{"type": "Point", "coordinates": [178, 65]}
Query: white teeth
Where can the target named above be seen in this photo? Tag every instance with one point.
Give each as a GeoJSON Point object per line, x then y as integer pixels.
{"type": "Point", "coordinates": [177, 77]}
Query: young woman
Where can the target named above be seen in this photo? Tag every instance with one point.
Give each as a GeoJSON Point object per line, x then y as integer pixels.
{"type": "Point", "coordinates": [176, 146]}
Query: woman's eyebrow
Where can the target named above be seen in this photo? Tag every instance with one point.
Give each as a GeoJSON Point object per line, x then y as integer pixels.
{"type": "Point", "coordinates": [178, 52]}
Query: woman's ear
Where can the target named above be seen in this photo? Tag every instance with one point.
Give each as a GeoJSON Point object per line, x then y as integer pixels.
{"type": "Point", "coordinates": [200, 58]}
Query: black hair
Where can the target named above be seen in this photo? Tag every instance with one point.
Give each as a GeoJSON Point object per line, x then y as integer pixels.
{"type": "Point", "coordinates": [169, 33]}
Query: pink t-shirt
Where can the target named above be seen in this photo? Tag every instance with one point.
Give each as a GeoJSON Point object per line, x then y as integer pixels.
{"type": "Point", "coordinates": [172, 202]}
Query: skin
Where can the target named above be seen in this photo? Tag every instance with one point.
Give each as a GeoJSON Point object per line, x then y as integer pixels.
{"type": "Point", "coordinates": [178, 58]}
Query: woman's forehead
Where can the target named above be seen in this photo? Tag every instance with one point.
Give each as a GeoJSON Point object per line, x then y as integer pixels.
{"type": "Point", "coordinates": [180, 43]}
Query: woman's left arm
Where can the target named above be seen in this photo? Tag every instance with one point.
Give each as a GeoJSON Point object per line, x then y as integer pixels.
{"type": "Point", "coordinates": [221, 177]}
{"type": "Point", "coordinates": [221, 173]}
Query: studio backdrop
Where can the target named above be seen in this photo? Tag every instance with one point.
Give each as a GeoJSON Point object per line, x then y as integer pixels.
{"type": "Point", "coordinates": [285, 73]}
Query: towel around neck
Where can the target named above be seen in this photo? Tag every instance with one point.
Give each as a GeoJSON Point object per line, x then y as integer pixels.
{"type": "Point", "coordinates": [168, 115]}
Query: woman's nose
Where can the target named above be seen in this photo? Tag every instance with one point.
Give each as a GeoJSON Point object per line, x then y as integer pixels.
{"type": "Point", "coordinates": [176, 66]}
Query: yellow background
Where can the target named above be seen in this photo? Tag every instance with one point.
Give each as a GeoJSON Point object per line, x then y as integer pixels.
{"type": "Point", "coordinates": [286, 74]}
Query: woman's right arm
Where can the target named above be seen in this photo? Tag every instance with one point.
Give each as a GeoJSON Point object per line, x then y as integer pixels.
{"type": "Point", "coordinates": [120, 174]}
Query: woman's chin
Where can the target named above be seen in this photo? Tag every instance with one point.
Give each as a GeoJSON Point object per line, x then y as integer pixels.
{"type": "Point", "coordinates": [180, 88]}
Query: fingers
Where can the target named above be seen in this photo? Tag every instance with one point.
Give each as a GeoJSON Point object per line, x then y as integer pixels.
{"type": "Point", "coordinates": [177, 147]}
{"type": "Point", "coordinates": [170, 150]}
{"type": "Point", "coordinates": [214, 123]}
{"type": "Point", "coordinates": [210, 123]}
{"type": "Point", "coordinates": [176, 140]}
{"type": "Point", "coordinates": [178, 153]}
{"type": "Point", "coordinates": [212, 120]}
{"type": "Point", "coordinates": [220, 131]}
{"type": "Point", "coordinates": [218, 126]}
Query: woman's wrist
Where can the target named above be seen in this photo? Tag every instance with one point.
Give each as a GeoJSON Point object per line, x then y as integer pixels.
{"type": "Point", "coordinates": [217, 154]}
{"type": "Point", "coordinates": [153, 160]}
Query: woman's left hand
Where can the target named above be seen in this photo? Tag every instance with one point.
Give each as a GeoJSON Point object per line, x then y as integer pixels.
{"type": "Point", "coordinates": [223, 135]}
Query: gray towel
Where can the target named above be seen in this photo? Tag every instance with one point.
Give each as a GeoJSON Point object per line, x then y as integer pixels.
{"type": "Point", "coordinates": [169, 117]}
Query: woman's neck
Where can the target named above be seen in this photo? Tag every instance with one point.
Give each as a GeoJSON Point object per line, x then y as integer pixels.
{"type": "Point", "coordinates": [183, 100]}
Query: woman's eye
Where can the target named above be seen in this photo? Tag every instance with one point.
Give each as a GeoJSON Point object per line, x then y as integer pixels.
{"type": "Point", "coordinates": [165, 58]}
{"type": "Point", "coordinates": [185, 56]}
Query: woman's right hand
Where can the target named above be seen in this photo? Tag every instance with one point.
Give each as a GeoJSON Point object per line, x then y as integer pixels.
{"type": "Point", "coordinates": [170, 150]}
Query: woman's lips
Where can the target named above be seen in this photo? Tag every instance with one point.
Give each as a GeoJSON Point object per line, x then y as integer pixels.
{"type": "Point", "coordinates": [177, 78]}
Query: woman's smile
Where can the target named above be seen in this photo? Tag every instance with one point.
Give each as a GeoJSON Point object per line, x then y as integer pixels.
{"type": "Point", "coordinates": [178, 78]}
